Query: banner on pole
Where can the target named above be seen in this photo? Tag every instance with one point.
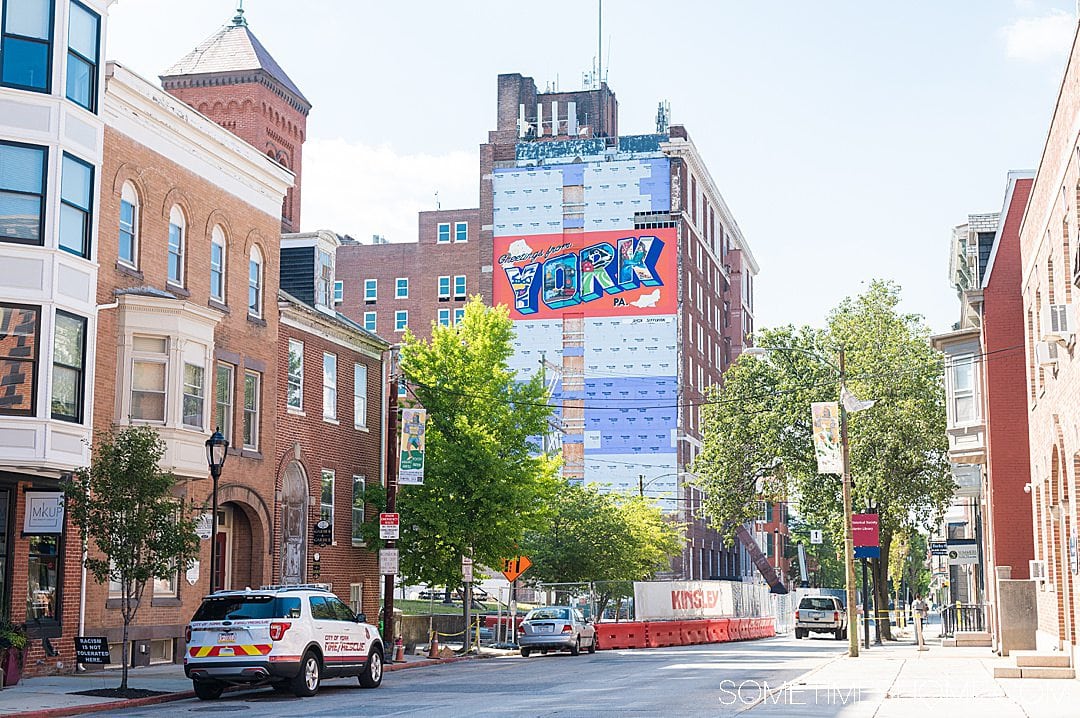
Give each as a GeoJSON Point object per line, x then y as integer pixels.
{"type": "Point", "coordinates": [411, 467]}
{"type": "Point", "coordinates": [830, 459]}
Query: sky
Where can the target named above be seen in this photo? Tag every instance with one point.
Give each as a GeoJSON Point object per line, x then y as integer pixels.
{"type": "Point", "coordinates": [847, 137]}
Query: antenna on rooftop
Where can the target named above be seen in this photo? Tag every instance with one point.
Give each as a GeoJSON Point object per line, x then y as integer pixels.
{"type": "Point", "coordinates": [600, 42]}
{"type": "Point", "coordinates": [663, 117]}
{"type": "Point", "coordinates": [438, 206]}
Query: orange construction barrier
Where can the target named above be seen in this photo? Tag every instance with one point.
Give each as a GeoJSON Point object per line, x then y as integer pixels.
{"type": "Point", "coordinates": [660, 634]}
{"type": "Point", "coordinates": [620, 635]}
{"type": "Point", "coordinates": [695, 632]}
{"type": "Point", "coordinates": [717, 630]}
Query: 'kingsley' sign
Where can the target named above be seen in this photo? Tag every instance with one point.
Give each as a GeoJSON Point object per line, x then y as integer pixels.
{"type": "Point", "coordinates": [682, 599]}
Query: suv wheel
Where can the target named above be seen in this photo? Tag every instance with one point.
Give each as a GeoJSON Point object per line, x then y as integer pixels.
{"type": "Point", "coordinates": [592, 644]}
{"type": "Point", "coordinates": [839, 634]}
{"type": "Point", "coordinates": [798, 633]}
{"type": "Point", "coordinates": [306, 682]}
{"type": "Point", "coordinates": [525, 652]}
{"type": "Point", "coordinates": [208, 690]}
{"type": "Point", "coordinates": [373, 669]}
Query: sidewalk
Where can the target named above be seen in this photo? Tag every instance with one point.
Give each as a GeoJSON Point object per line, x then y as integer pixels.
{"type": "Point", "coordinates": [55, 695]}
{"type": "Point", "coordinates": [896, 680]}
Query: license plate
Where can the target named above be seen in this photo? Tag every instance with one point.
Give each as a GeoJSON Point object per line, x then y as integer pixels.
{"type": "Point", "coordinates": [545, 629]}
{"type": "Point", "coordinates": [817, 615]}
{"type": "Point", "coordinates": [226, 637]}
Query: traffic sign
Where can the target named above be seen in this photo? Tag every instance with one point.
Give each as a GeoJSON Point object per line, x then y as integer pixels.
{"type": "Point", "coordinates": [388, 561]}
{"type": "Point", "coordinates": [815, 536]}
{"type": "Point", "coordinates": [514, 567]}
{"type": "Point", "coordinates": [466, 569]}
{"type": "Point", "coordinates": [389, 524]}
{"type": "Point", "coordinates": [939, 548]}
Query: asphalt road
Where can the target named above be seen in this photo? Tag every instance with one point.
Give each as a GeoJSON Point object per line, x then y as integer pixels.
{"type": "Point", "coordinates": [708, 680]}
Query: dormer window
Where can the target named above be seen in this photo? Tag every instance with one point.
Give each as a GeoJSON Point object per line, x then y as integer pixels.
{"type": "Point", "coordinates": [324, 279]}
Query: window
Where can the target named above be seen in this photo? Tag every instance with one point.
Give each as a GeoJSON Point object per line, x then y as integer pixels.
{"type": "Point", "coordinates": [177, 225]}
{"type": "Point", "coordinates": [217, 264]}
{"type": "Point", "coordinates": [358, 488]}
{"type": "Point", "coordinates": [148, 372]}
{"type": "Point", "coordinates": [19, 328]}
{"type": "Point", "coordinates": [43, 572]}
{"type": "Point", "coordinates": [359, 395]}
{"type": "Point", "coordinates": [294, 398]}
{"type": "Point", "coordinates": [459, 286]}
{"type": "Point", "coordinates": [22, 193]}
{"type": "Point", "coordinates": [401, 320]}
{"type": "Point", "coordinates": [369, 321]}
{"type": "Point", "coordinates": [444, 232]}
{"type": "Point", "coordinates": [69, 358]}
{"type": "Point", "coordinates": [401, 288]}
{"type": "Point", "coordinates": [223, 400]}
{"type": "Point", "coordinates": [371, 290]}
{"type": "Point", "coordinates": [339, 292]}
{"type": "Point", "coordinates": [459, 316]}
{"type": "Point", "coordinates": [82, 59]}
{"type": "Point", "coordinates": [255, 279]}
{"type": "Point", "coordinates": [444, 317]}
{"type": "Point", "coordinates": [329, 385]}
{"type": "Point", "coordinates": [77, 188]}
{"type": "Point", "coordinates": [962, 375]}
{"type": "Point", "coordinates": [193, 396]}
{"type": "Point", "coordinates": [326, 498]}
{"type": "Point", "coordinates": [129, 225]}
{"type": "Point", "coordinates": [461, 231]}
{"type": "Point", "coordinates": [324, 278]}
{"type": "Point", "coordinates": [444, 287]}
{"type": "Point", "coordinates": [252, 380]}
{"type": "Point", "coordinates": [26, 49]}
{"type": "Point", "coordinates": [167, 587]}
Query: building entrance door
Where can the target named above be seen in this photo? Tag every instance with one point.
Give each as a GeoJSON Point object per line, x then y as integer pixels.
{"type": "Point", "coordinates": [294, 498]}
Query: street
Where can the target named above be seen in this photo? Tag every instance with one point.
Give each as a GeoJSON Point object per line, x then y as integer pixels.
{"type": "Point", "coordinates": [706, 680]}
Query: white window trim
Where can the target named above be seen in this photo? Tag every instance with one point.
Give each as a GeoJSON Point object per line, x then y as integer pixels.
{"type": "Point", "coordinates": [398, 326]}
{"type": "Point", "coordinates": [149, 358]}
{"type": "Point", "coordinates": [374, 321]}
{"type": "Point", "coordinates": [217, 237]}
{"type": "Point", "coordinates": [449, 233]}
{"type": "Point", "coordinates": [360, 417]}
{"type": "Point", "coordinates": [397, 288]}
{"type": "Point", "coordinates": [288, 376]}
{"type": "Point", "coordinates": [461, 224]}
{"type": "Point", "coordinates": [184, 394]}
{"type": "Point", "coordinates": [464, 286]}
{"type": "Point", "coordinates": [178, 282]}
{"type": "Point", "coordinates": [256, 258]}
{"type": "Point", "coordinates": [449, 286]}
{"type": "Point", "coordinates": [339, 291]}
{"type": "Point", "coordinates": [128, 189]}
{"type": "Point", "coordinates": [333, 487]}
{"type": "Point", "coordinates": [967, 359]}
{"type": "Point", "coordinates": [254, 445]}
{"type": "Point", "coordinates": [374, 285]}
{"type": "Point", "coordinates": [444, 313]}
{"type": "Point", "coordinates": [331, 417]}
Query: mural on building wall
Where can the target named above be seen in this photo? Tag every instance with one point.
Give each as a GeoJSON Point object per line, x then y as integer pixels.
{"type": "Point", "coordinates": [610, 273]}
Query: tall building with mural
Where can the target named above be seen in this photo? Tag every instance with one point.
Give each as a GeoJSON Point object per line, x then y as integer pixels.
{"type": "Point", "coordinates": [630, 286]}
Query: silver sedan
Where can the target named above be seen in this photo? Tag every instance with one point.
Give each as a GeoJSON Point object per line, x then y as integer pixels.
{"type": "Point", "coordinates": [556, 628]}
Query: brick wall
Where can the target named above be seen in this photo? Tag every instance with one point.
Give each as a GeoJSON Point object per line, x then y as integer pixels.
{"type": "Point", "coordinates": [422, 263]}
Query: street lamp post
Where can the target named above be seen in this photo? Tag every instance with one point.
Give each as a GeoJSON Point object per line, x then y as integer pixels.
{"type": "Point", "coordinates": [849, 543]}
{"type": "Point", "coordinates": [217, 448]}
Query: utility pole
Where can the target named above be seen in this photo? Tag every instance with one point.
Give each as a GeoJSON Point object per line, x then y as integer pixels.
{"type": "Point", "coordinates": [849, 542]}
{"type": "Point", "coordinates": [641, 485]}
{"type": "Point", "coordinates": [391, 504]}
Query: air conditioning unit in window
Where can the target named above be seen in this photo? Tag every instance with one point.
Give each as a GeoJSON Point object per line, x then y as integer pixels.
{"type": "Point", "coordinates": [1057, 323]}
{"type": "Point", "coordinates": [1037, 570]}
{"type": "Point", "coordinates": [1046, 354]}
{"type": "Point", "coordinates": [356, 597]}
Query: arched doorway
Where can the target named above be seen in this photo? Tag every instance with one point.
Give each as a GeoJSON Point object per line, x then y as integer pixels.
{"type": "Point", "coordinates": [294, 498]}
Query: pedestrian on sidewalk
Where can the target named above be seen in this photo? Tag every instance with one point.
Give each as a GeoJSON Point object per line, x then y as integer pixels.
{"type": "Point", "coordinates": [920, 609]}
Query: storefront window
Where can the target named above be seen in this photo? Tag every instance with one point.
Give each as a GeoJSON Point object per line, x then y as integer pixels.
{"type": "Point", "coordinates": [44, 566]}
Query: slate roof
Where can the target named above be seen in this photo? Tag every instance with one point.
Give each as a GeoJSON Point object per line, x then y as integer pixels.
{"type": "Point", "coordinates": [232, 48]}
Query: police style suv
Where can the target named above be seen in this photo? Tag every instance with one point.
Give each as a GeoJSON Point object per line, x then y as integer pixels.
{"type": "Point", "coordinates": [290, 637]}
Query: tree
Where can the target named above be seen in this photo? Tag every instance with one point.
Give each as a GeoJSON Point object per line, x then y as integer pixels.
{"type": "Point", "coordinates": [607, 539]}
{"type": "Point", "coordinates": [124, 505]}
{"type": "Point", "coordinates": [485, 483]}
{"type": "Point", "coordinates": [898, 447]}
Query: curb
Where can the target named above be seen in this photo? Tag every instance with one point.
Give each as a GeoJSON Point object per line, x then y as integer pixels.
{"type": "Point", "coordinates": [184, 695]}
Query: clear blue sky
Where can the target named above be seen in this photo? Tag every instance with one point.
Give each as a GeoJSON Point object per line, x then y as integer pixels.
{"type": "Point", "coordinates": [847, 137]}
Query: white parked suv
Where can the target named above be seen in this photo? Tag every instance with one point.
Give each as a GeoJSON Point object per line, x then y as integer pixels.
{"type": "Point", "coordinates": [821, 614]}
{"type": "Point", "coordinates": [290, 637]}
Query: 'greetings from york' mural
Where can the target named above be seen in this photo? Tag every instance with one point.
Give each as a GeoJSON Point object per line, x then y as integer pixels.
{"type": "Point", "coordinates": [611, 273]}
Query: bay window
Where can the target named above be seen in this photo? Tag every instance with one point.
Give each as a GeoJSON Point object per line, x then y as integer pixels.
{"type": "Point", "coordinates": [69, 359]}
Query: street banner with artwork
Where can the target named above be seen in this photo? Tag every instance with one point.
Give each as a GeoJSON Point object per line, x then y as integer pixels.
{"type": "Point", "coordinates": [826, 414]}
{"type": "Point", "coordinates": [411, 468]}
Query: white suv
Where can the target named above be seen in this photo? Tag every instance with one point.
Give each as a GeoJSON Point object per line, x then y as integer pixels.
{"type": "Point", "coordinates": [288, 636]}
{"type": "Point", "coordinates": [821, 614]}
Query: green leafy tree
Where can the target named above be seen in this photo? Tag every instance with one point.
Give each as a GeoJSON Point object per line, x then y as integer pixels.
{"type": "Point", "coordinates": [136, 527]}
{"type": "Point", "coordinates": [898, 447]}
{"type": "Point", "coordinates": [485, 483]}
{"type": "Point", "coordinates": [606, 539]}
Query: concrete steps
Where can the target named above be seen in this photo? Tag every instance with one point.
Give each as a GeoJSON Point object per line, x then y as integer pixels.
{"type": "Point", "coordinates": [968, 639]}
{"type": "Point", "coordinates": [1035, 665]}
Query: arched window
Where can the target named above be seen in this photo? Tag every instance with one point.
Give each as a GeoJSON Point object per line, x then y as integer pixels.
{"type": "Point", "coordinates": [217, 264]}
{"type": "Point", "coordinates": [177, 237]}
{"type": "Point", "coordinates": [255, 282]}
{"type": "Point", "coordinates": [128, 250]}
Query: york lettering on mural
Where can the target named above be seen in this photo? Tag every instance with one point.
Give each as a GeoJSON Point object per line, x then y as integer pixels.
{"type": "Point", "coordinates": [587, 275]}
{"type": "Point", "coordinates": [694, 599]}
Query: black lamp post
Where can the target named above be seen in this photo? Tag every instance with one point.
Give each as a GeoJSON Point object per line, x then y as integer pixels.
{"type": "Point", "coordinates": [216, 449]}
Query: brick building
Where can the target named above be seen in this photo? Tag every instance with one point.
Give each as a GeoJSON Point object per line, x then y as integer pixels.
{"type": "Point", "coordinates": [1049, 246]}
{"type": "Point", "coordinates": [51, 149]}
{"type": "Point", "coordinates": [986, 393]}
{"type": "Point", "coordinates": [387, 287]}
{"type": "Point", "coordinates": [330, 413]}
{"type": "Point", "coordinates": [187, 331]}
